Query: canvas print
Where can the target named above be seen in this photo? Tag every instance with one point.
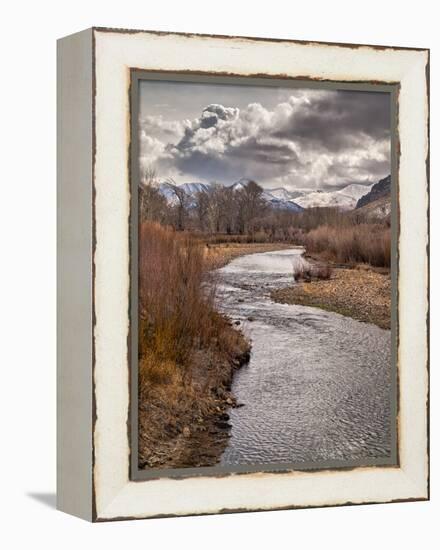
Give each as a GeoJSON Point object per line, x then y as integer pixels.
{"type": "Point", "coordinates": [265, 223]}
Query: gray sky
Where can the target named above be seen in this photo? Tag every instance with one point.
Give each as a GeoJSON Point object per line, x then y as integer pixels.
{"type": "Point", "coordinates": [290, 137]}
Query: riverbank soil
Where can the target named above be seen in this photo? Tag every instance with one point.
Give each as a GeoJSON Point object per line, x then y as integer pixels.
{"type": "Point", "coordinates": [182, 416]}
{"type": "Point", "coordinates": [361, 293]}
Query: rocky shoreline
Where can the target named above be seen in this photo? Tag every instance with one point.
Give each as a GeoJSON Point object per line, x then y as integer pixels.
{"type": "Point", "coordinates": [362, 293]}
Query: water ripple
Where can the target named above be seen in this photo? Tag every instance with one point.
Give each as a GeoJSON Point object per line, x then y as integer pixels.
{"type": "Point", "coordinates": [317, 386]}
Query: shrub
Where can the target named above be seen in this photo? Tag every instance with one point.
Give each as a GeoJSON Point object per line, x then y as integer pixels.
{"type": "Point", "coordinates": [170, 297]}
{"type": "Point", "coordinates": [303, 270]}
{"type": "Point", "coordinates": [176, 310]}
{"type": "Point", "coordinates": [363, 243]}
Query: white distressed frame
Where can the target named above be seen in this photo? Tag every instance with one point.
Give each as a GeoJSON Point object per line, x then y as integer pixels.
{"type": "Point", "coordinates": [115, 496]}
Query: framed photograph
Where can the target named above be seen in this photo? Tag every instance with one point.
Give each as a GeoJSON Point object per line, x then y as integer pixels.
{"type": "Point", "coordinates": [243, 306]}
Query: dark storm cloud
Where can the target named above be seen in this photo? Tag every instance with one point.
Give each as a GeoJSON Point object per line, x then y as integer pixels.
{"type": "Point", "coordinates": [339, 120]}
{"type": "Point", "coordinates": [260, 150]}
{"type": "Point", "coordinates": [312, 139]}
{"type": "Point", "coordinates": [203, 167]}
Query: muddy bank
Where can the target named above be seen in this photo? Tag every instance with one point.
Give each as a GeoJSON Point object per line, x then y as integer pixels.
{"type": "Point", "coordinates": [361, 293]}
{"type": "Point", "coordinates": [183, 420]}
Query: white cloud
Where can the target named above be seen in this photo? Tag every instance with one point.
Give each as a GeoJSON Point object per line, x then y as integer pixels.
{"type": "Point", "coordinates": [316, 139]}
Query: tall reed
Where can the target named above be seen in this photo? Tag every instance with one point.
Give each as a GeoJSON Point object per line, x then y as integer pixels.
{"type": "Point", "coordinates": [363, 243]}
{"type": "Point", "coordinates": [176, 309]}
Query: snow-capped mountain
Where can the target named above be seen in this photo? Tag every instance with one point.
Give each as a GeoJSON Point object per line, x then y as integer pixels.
{"type": "Point", "coordinates": [282, 194]}
{"type": "Point", "coordinates": [167, 192]}
{"type": "Point", "coordinates": [326, 199]}
{"type": "Point", "coordinates": [191, 189]}
{"type": "Point", "coordinates": [240, 184]}
{"type": "Point", "coordinates": [280, 204]}
{"type": "Point", "coordinates": [281, 198]}
{"type": "Point", "coordinates": [195, 187]}
{"type": "Point", "coordinates": [356, 190]}
{"type": "Point", "coordinates": [345, 198]}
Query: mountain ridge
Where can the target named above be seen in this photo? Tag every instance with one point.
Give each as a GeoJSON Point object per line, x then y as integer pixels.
{"type": "Point", "coordinates": [379, 190]}
{"type": "Point", "coordinates": [346, 198]}
{"type": "Point", "coordinates": [192, 188]}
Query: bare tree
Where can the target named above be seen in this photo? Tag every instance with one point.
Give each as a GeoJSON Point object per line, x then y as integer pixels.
{"type": "Point", "coordinates": [182, 203]}
{"type": "Point", "coordinates": [230, 208]}
{"type": "Point", "coordinates": [215, 208]}
{"type": "Point", "coordinates": [201, 209]}
{"type": "Point", "coordinates": [152, 204]}
{"type": "Point", "coordinates": [250, 206]}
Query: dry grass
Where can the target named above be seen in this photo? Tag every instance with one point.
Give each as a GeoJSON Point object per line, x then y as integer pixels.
{"type": "Point", "coordinates": [364, 243]}
{"type": "Point", "coordinates": [336, 236]}
{"type": "Point", "coordinates": [224, 238]}
{"type": "Point", "coordinates": [176, 311]}
{"type": "Point", "coordinates": [323, 272]}
{"type": "Point", "coordinates": [187, 351]}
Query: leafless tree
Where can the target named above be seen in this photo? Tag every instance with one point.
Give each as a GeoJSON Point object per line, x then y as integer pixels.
{"type": "Point", "coordinates": [152, 204]}
{"type": "Point", "coordinates": [182, 203]}
{"type": "Point", "coordinates": [216, 211]}
{"type": "Point", "coordinates": [251, 207]}
{"type": "Point", "coordinates": [201, 208]}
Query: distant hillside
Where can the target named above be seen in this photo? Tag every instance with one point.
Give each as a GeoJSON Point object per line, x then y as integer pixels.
{"type": "Point", "coordinates": [381, 189]}
{"type": "Point", "coordinates": [380, 209]}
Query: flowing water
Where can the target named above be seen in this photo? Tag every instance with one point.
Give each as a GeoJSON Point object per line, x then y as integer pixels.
{"type": "Point", "coordinates": [317, 386]}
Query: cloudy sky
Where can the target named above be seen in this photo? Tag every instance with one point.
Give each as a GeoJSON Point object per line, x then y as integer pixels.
{"type": "Point", "coordinates": [300, 139]}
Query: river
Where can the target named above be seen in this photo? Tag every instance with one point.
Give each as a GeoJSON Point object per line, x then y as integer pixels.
{"type": "Point", "coordinates": [317, 386]}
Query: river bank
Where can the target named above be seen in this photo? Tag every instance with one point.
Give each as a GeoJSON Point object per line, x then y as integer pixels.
{"type": "Point", "coordinates": [183, 419]}
{"type": "Point", "coordinates": [362, 293]}
{"type": "Point", "coordinates": [198, 420]}
{"type": "Point", "coordinates": [317, 385]}
{"type": "Point", "coordinates": [184, 423]}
